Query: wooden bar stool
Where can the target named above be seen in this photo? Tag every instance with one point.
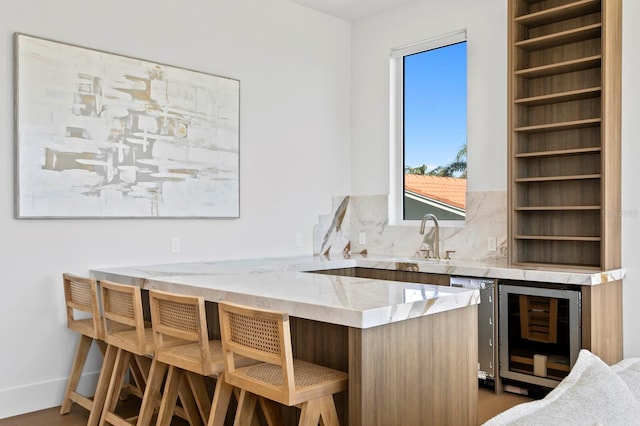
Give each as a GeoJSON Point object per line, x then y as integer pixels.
{"type": "Point", "coordinates": [81, 295]}
{"type": "Point", "coordinates": [182, 344]}
{"type": "Point", "coordinates": [128, 340]}
{"type": "Point", "coordinates": [264, 336]}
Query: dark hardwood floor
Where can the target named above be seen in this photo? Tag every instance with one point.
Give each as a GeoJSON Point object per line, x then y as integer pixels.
{"type": "Point", "coordinates": [489, 404]}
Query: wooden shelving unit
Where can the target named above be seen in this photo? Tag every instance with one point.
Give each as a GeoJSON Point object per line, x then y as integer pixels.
{"type": "Point", "coordinates": [564, 135]}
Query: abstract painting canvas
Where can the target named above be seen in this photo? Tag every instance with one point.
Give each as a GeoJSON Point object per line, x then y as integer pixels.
{"type": "Point", "coordinates": [104, 135]}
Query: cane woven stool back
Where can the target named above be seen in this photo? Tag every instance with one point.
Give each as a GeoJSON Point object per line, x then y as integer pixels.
{"type": "Point", "coordinates": [124, 325]}
{"type": "Point", "coordinates": [265, 336]}
{"type": "Point", "coordinates": [181, 335]}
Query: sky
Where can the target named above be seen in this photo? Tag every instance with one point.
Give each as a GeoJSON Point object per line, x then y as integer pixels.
{"type": "Point", "coordinates": [435, 108]}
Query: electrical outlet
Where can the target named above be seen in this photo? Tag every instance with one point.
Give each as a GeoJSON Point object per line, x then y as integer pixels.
{"type": "Point", "coordinates": [362, 238]}
{"type": "Point", "coordinates": [492, 244]}
{"type": "Point", "coordinates": [175, 245]}
{"type": "Point", "coordinates": [298, 240]}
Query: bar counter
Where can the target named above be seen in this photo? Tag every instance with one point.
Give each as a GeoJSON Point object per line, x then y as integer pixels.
{"type": "Point", "coordinates": [409, 348]}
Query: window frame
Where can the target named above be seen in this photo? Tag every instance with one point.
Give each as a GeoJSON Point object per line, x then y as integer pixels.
{"type": "Point", "coordinates": [396, 122]}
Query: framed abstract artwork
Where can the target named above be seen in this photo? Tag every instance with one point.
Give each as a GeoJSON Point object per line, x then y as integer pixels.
{"type": "Point", "coordinates": [99, 135]}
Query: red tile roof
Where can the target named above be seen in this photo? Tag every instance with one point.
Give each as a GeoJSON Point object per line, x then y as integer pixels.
{"type": "Point", "coordinates": [448, 190]}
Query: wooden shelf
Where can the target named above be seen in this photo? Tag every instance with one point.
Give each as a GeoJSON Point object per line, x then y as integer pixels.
{"type": "Point", "coordinates": [561, 38]}
{"type": "Point", "coordinates": [555, 208]}
{"type": "Point", "coordinates": [561, 89]}
{"type": "Point", "coordinates": [560, 152]}
{"type": "Point", "coordinates": [561, 67]}
{"type": "Point", "coordinates": [567, 125]}
{"type": "Point", "coordinates": [556, 238]}
{"type": "Point", "coordinates": [557, 178]}
{"type": "Point", "coordinates": [560, 13]}
{"type": "Point", "coordinates": [572, 95]}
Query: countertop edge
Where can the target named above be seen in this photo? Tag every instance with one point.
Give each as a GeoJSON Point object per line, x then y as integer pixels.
{"type": "Point", "coordinates": [217, 289]}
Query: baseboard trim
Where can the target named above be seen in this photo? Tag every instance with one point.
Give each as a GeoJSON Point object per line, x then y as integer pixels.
{"type": "Point", "coordinates": [40, 396]}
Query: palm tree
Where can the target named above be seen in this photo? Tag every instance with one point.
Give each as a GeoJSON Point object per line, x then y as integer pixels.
{"type": "Point", "coordinates": [457, 168]}
{"type": "Point", "coordinates": [421, 170]}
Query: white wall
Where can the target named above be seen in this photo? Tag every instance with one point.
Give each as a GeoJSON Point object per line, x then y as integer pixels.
{"type": "Point", "coordinates": [486, 21]}
{"type": "Point", "coordinates": [294, 69]}
{"type": "Point", "coordinates": [630, 175]}
{"type": "Point", "coordinates": [372, 40]}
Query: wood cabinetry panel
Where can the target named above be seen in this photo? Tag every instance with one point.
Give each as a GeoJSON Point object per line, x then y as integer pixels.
{"type": "Point", "coordinates": [442, 387]}
{"type": "Point", "coordinates": [602, 321]}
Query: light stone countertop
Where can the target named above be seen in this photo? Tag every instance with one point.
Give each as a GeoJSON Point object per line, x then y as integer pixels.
{"type": "Point", "coordinates": [480, 270]}
{"type": "Point", "coordinates": [284, 284]}
{"type": "Point", "coordinates": [281, 284]}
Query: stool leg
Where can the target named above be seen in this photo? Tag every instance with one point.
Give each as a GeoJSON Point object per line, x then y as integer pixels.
{"type": "Point", "coordinates": [189, 404]}
{"type": "Point", "coordinates": [220, 404]}
{"type": "Point", "coordinates": [79, 359]}
{"type": "Point", "coordinates": [103, 385]}
{"type": "Point", "coordinates": [139, 370]}
{"type": "Point", "coordinates": [271, 411]}
{"type": "Point", "coordinates": [169, 396]}
{"type": "Point", "coordinates": [310, 414]}
{"type": "Point", "coordinates": [246, 408]}
{"type": "Point", "coordinates": [117, 379]}
{"type": "Point", "coordinates": [328, 413]}
{"type": "Point", "coordinates": [151, 392]}
{"type": "Point", "coordinates": [200, 394]}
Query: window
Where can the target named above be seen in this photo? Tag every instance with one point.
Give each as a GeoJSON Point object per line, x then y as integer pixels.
{"type": "Point", "coordinates": [429, 129]}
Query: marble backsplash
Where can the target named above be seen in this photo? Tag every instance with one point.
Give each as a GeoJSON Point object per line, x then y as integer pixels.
{"type": "Point", "coordinates": [339, 231]}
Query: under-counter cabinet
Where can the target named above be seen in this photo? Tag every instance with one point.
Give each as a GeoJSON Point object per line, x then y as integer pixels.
{"type": "Point", "coordinates": [564, 136]}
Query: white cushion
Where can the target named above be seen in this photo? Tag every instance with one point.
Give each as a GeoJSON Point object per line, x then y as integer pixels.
{"type": "Point", "coordinates": [629, 371]}
{"type": "Point", "coordinates": [592, 394]}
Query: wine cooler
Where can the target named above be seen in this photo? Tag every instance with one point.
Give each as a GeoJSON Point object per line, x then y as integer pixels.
{"type": "Point", "coordinates": [539, 333]}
